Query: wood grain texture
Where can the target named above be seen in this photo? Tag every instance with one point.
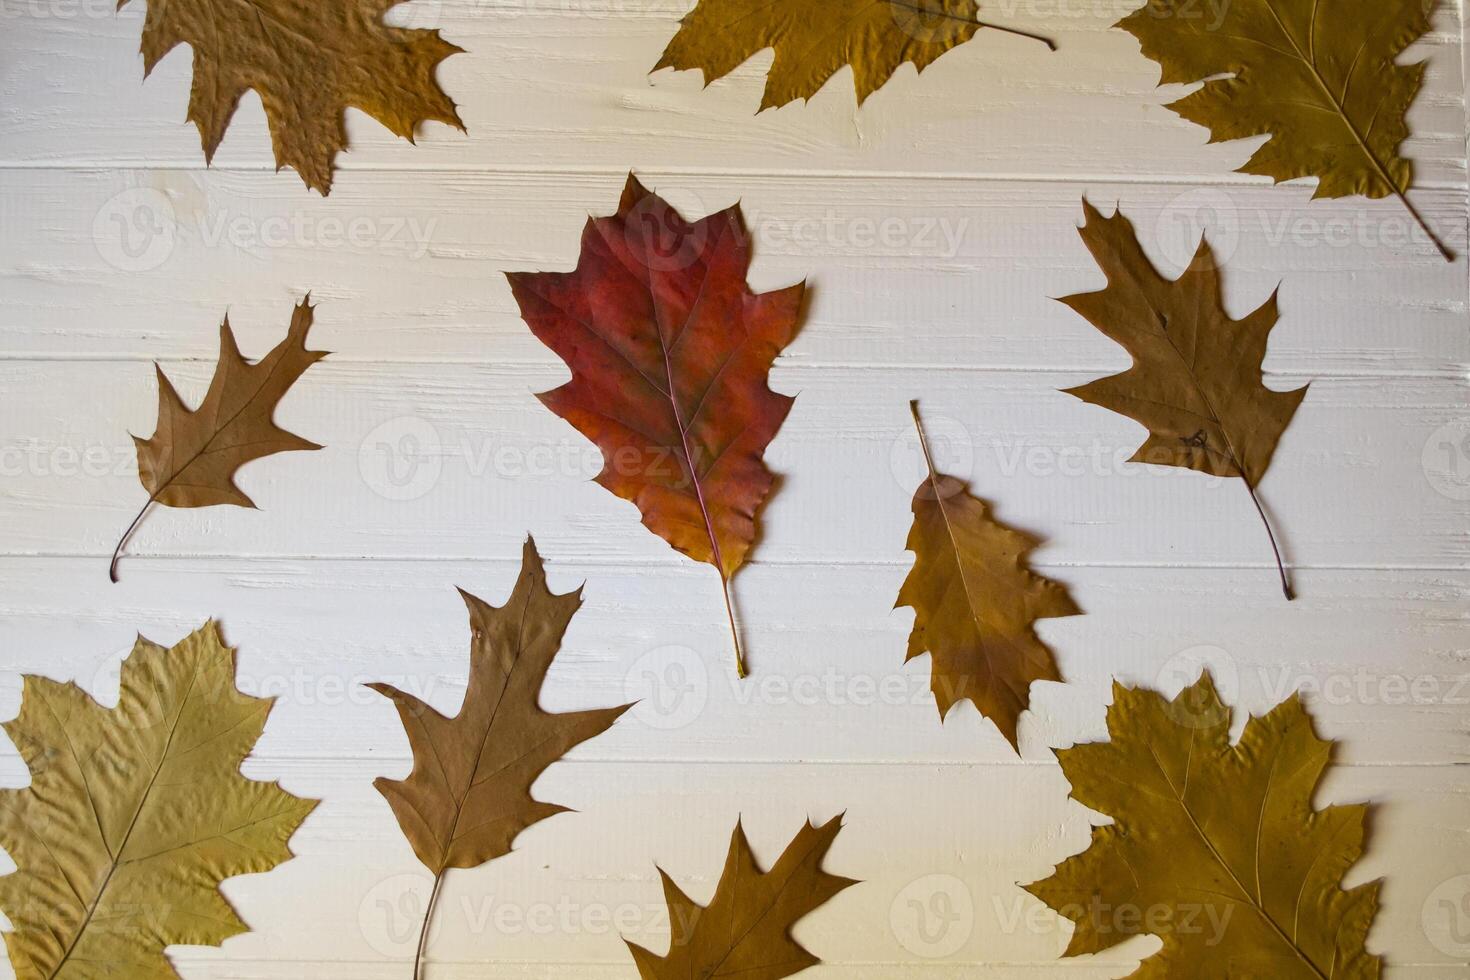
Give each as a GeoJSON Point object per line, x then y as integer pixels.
{"type": "Point", "coordinates": [566, 84]}
{"type": "Point", "coordinates": [934, 226]}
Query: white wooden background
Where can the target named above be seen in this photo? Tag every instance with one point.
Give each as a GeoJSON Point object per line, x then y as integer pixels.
{"type": "Point", "coordinates": [933, 225]}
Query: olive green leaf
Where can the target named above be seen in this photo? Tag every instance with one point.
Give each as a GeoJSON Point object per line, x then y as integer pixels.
{"type": "Point", "coordinates": [1214, 848]}
{"type": "Point", "coordinates": [135, 814]}
{"type": "Point", "coordinates": [1320, 77]}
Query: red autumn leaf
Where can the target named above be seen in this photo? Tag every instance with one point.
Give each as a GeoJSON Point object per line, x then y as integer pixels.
{"type": "Point", "coordinates": [670, 351]}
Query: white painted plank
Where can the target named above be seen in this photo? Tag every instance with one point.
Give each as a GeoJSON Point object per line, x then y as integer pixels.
{"type": "Point", "coordinates": [461, 461]}
{"type": "Point", "coordinates": [564, 83]}
{"type": "Point", "coordinates": [1380, 659]}
{"type": "Point", "coordinates": [953, 273]}
{"type": "Point", "coordinates": [981, 828]}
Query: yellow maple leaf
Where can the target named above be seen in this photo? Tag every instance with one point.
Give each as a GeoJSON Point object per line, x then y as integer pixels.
{"type": "Point", "coordinates": [814, 39]}
{"type": "Point", "coordinates": [135, 815]}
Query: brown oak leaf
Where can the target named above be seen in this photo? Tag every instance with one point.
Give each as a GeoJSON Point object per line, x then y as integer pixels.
{"type": "Point", "coordinates": [1320, 78]}
{"type": "Point", "coordinates": [191, 458]}
{"type": "Point", "coordinates": [309, 62]}
{"type": "Point", "coordinates": [469, 794]}
{"type": "Point", "coordinates": [976, 602]}
{"type": "Point", "coordinates": [745, 931]}
{"type": "Point", "coordinates": [1196, 380]}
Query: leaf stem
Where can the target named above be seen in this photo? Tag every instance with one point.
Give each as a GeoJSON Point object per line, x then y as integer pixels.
{"type": "Point", "coordinates": [734, 630]}
{"type": "Point", "coordinates": [117, 552]}
{"type": "Point", "coordinates": [418, 957]}
{"type": "Point", "coordinates": [923, 440]}
{"type": "Point", "coordinates": [1051, 45]}
{"type": "Point", "coordinates": [1444, 249]}
{"type": "Point", "coordinates": [1286, 588]}
{"type": "Point", "coordinates": [994, 27]}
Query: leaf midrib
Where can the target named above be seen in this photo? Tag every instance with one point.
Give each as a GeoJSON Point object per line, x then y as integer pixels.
{"type": "Point", "coordinates": [459, 803]}
{"type": "Point", "coordinates": [712, 970]}
{"type": "Point", "coordinates": [221, 428]}
{"type": "Point", "coordinates": [1257, 902]}
{"type": "Point", "coordinates": [672, 392]}
{"type": "Point", "coordinates": [117, 861]}
{"type": "Point", "coordinates": [1332, 99]}
{"type": "Point", "coordinates": [976, 617]}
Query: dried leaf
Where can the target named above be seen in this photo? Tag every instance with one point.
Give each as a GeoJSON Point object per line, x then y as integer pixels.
{"type": "Point", "coordinates": [136, 814]}
{"type": "Point", "coordinates": [469, 794]}
{"type": "Point", "coordinates": [1322, 79]}
{"type": "Point", "coordinates": [309, 62]}
{"type": "Point", "coordinates": [191, 458]}
{"type": "Point", "coordinates": [746, 930]}
{"type": "Point", "coordinates": [1214, 848]}
{"type": "Point", "coordinates": [814, 39]}
{"type": "Point", "coordinates": [976, 601]}
{"type": "Point", "coordinates": [1196, 379]}
{"type": "Point", "coordinates": [669, 352]}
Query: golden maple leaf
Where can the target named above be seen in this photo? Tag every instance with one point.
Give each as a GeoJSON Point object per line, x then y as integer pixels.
{"type": "Point", "coordinates": [814, 39]}
{"type": "Point", "coordinates": [191, 458]}
{"type": "Point", "coordinates": [1320, 77]}
{"type": "Point", "coordinates": [469, 794]}
{"type": "Point", "coordinates": [135, 815]}
{"type": "Point", "coordinates": [1196, 380]}
{"type": "Point", "coordinates": [976, 602]}
{"type": "Point", "coordinates": [745, 931]}
{"type": "Point", "coordinates": [309, 62]}
{"type": "Point", "coordinates": [1214, 848]}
